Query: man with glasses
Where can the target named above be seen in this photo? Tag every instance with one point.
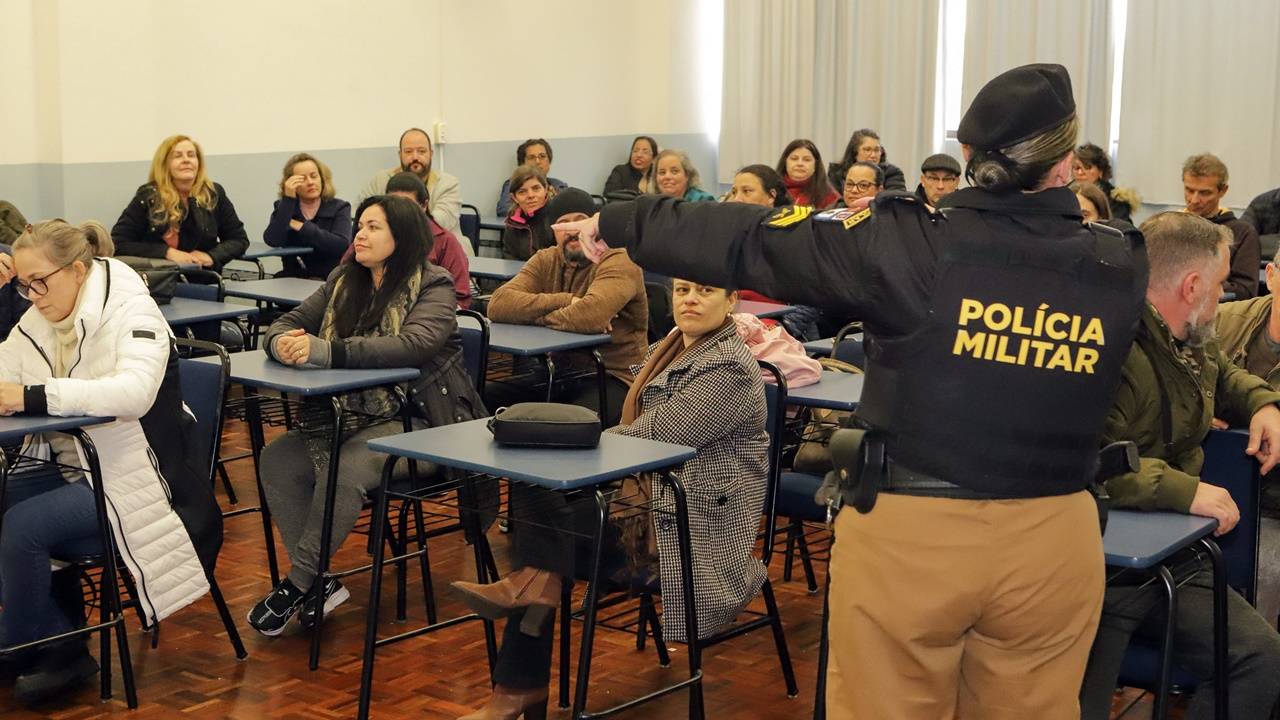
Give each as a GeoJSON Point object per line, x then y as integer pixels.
{"type": "Point", "coordinates": [535, 152]}
{"type": "Point", "coordinates": [939, 177]}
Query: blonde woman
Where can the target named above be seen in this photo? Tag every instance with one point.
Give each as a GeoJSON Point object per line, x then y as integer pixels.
{"type": "Point", "coordinates": [309, 215]}
{"type": "Point", "coordinates": [675, 176]}
{"type": "Point", "coordinates": [180, 214]}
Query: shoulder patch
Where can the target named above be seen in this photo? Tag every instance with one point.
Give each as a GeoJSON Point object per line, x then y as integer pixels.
{"type": "Point", "coordinates": [788, 216]}
{"type": "Point", "coordinates": [836, 214]}
{"type": "Point", "coordinates": [148, 334]}
{"type": "Point", "coordinates": [849, 222]}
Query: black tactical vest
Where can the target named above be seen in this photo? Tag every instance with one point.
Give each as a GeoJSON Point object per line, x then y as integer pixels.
{"type": "Point", "coordinates": [1005, 387]}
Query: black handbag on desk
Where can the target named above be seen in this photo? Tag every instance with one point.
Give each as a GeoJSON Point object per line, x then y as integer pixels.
{"type": "Point", "coordinates": [550, 425]}
{"type": "Point", "coordinates": [159, 275]}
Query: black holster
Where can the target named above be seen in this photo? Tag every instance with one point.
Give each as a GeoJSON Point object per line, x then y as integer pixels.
{"type": "Point", "coordinates": [1115, 459]}
{"type": "Point", "coordinates": [858, 462]}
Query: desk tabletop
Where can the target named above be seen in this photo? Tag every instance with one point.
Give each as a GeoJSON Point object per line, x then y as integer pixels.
{"type": "Point", "coordinates": [470, 446]}
{"type": "Point", "coordinates": [530, 340]}
{"type": "Point", "coordinates": [285, 291]}
{"type": "Point", "coordinates": [254, 369]}
{"type": "Point", "coordinates": [835, 391]}
{"type": "Point", "coordinates": [16, 427]}
{"type": "Point", "coordinates": [261, 250]}
{"type": "Point", "coordinates": [1139, 540]}
{"type": "Point", "coordinates": [494, 268]}
{"type": "Point", "coordinates": [820, 347]}
{"type": "Point", "coordinates": [185, 311]}
{"type": "Point", "coordinates": [764, 309]}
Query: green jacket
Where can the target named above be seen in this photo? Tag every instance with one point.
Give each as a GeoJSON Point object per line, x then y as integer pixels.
{"type": "Point", "coordinates": [1169, 473]}
{"type": "Point", "coordinates": [1238, 323]}
{"type": "Point", "coordinates": [12, 224]}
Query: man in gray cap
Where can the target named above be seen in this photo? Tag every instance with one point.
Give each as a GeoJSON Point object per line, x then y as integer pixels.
{"type": "Point", "coordinates": [967, 578]}
{"type": "Point", "coordinates": [939, 177]}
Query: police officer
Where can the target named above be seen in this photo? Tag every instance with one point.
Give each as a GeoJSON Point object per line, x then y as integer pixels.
{"type": "Point", "coordinates": [969, 579]}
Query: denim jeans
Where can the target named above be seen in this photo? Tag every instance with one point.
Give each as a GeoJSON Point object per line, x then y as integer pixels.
{"type": "Point", "coordinates": [44, 516]}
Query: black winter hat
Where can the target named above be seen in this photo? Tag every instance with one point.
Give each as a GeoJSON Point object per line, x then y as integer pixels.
{"type": "Point", "coordinates": [1016, 105]}
{"type": "Point", "coordinates": [569, 200]}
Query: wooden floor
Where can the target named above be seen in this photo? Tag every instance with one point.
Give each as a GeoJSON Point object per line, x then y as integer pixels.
{"type": "Point", "coordinates": [193, 673]}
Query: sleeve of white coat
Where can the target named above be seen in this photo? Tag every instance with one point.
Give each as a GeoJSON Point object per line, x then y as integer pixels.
{"type": "Point", "coordinates": [11, 357]}
{"type": "Point", "coordinates": [141, 339]}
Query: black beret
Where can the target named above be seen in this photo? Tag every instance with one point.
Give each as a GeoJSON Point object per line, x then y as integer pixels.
{"type": "Point", "coordinates": [941, 161]}
{"type": "Point", "coordinates": [1016, 105]}
{"type": "Point", "coordinates": [569, 200]}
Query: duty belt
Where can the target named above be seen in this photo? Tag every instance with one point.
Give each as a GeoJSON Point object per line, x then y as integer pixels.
{"type": "Point", "coordinates": [904, 481]}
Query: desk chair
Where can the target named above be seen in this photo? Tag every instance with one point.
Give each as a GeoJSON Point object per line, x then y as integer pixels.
{"type": "Point", "coordinates": [661, 319]}
{"type": "Point", "coordinates": [469, 223]}
{"type": "Point", "coordinates": [776, 400]}
{"type": "Point", "coordinates": [849, 349]}
{"type": "Point", "coordinates": [1225, 465]}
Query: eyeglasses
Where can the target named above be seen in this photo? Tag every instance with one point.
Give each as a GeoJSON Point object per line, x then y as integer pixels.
{"type": "Point", "coordinates": [38, 286]}
{"type": "Point", "coordinates": [860, 186]}
{"type": "Point", "coordinates": [948, 178]}
{"type": "Point", "coordinates": [539, 156]}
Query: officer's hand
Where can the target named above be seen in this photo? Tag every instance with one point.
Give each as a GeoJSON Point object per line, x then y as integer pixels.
{"type": "Point", "coordinates": [1264, 437]}
{"type": "Point", "coordinates": [588, 236]}
{"type": "Point", "coordinates": [1215, 502]}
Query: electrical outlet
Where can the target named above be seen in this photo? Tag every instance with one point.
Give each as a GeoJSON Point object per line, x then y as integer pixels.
{"type": "Point", "coordinates": [440, 133]}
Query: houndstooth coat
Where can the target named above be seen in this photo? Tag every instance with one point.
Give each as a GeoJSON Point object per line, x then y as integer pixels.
{"type": "Point", "coordinates": [711, 399]}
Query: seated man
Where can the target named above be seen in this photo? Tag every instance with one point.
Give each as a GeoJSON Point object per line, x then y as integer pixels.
{"type": "Point", "coordinates": [415, 157]}
{"type": "Point", "coordinates": [535, 152]}
{"type": "Point", "coordinates": [1204, 184]}
{"type": "Point", "coordinates": [445, 251]}
{"type": "Point", "coordinates": [1263, 213]}
{"type": "Point", "coordinates": [939, 177]}
{"type": "Point", "coordinates": [1175, 382]}
{"type": "Point", "coordinates": [560, 288]}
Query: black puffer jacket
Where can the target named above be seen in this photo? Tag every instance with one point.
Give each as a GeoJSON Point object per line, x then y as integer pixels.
{"type": "Point", "coordinates": [216, 230]}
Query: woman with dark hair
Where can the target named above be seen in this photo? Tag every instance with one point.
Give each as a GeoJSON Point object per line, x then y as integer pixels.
{"type": "Point", "coordinates": [1091, 165]}
{"type": "Point", "coordinates": [863, 179]}
{"type": "Point", "coordinates": [309, 214]}
{"type": "Point", "coordinates": [800, 166]}
{"type": "Point", "coordinates": [384, 307]}
{"type": "Point", "coordinates": [864, 146]}
{"type": "Point", "coordinates": [759, 185]}
{"type": "Point", "coordinates": [631, 178]}
{"type": "Point", "coordinates": [1093, 203]}
{"type": "Point", "coordinates": [525, 232]}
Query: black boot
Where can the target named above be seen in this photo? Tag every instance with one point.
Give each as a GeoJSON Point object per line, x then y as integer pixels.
{"type": "Point", "coordinates": [60, 668]}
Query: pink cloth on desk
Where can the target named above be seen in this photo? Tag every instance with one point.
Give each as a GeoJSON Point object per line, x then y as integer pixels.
{"type": "Point", "coordinates": [775, 345]}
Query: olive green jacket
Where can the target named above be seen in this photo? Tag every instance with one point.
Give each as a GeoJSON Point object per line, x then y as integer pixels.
{"type": "Point", "coordinates": [1238, 323]}
{"type": "Point", "coordinates": [1170, 467]}
{"type": "Point", "coordinates": [11, 223]}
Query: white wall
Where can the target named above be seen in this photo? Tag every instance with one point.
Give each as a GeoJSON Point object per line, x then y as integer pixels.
{"type": "Point", "coordinates": [90, 88]}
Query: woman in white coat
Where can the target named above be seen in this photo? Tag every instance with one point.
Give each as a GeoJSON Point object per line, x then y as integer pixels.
{"type": "Point", "coordinates": [93, 343]}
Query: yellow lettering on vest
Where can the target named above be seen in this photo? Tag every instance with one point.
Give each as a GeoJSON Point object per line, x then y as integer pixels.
{"type": "Point", "coordinates": [969, 343]}
{"type": "Point", "coordinates": [989, 352]}
{"type": "Point", "coordinates": [1093, 332]}
{"type": "Point", "coordinates": [1001, 354]}
{"type": "Point", "coordinates": [1041, 347]}
{"type": "Point", "coordinates": [1056, 319]}
{"type": "Point", "coordinates": [1061, 359]}
{"type": "Point", "coordinates": [1075, 328]}
{"type": "Point", "coordinates": [1018, 327]}
{"type": "Point", "coordinates": [996, 317]}
{"type": "Point", "coordinates": [969, 310]}
{"type": "Point", "coordinates": [1086, 359]}
{"type": "Point", "coordinates": [1039, 328]}
{"type": "Point", "coordinates": [1022, 352]}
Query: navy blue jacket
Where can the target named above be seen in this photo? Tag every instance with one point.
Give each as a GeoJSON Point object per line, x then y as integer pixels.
{"type": "Point", "coordinates": [12, 305]}
{"type": "Point", "coordinates": [328, 233]}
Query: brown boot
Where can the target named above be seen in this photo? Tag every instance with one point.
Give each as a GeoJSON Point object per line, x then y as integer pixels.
{"type": "Point", "coordinates": [537, 592]}
{"type": "Point", "coordinates": [508, 704]}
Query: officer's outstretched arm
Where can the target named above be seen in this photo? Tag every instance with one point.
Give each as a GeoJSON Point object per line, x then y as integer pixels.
{"type": "Point", "coordinates": [784, 252]}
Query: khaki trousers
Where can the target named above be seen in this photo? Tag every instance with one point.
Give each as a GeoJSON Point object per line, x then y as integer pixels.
{"type": "Point", "coordinates": [973, 609]}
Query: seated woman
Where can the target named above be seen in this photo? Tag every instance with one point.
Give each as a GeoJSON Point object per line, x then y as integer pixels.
{"type": "Point", "coordinates": [631, 178]}
{"type": "Point", "coordinates": [863, 180]}
{"type": "Point", "coordinates": [386, 307]}
{"type": "Point", "coordinates": [1093, 203]}
{"type": "Point", "coordinates": [180, 214]}
{"type": "Point", "coordinates": [864, 146]}
{"type": "Point", "coordinates": [1091, 165]}
{"type": "Point", "coordinates": [96, 344]}
{"type": "Point", "coordinates": [760, 185]}
{"type": "Point", "coordinates": [525, 231]}
{"type": "Point", "coordinates": [801, 168]}
{"type": "Point", "coordinates": [701, 387]}
{"type": "Point", "coordinates": [308, 214]}
{"type": "Point", "coordinates": [675, 176]}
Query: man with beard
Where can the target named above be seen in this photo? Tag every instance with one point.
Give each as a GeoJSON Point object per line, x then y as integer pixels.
{"type": "Point", "coordinates": [1176, 381]}
{"type": "Point", "coordinates": [560, 288]}
{"type": "Point", "coordinates": [446, 197]}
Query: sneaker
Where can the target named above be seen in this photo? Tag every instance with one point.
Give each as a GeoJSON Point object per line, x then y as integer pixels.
{"type": "Point", "coordinates": [271, 616]}
{"type": "Point", "coordinates": [61, 668]}
{"type": "Point", "coordinates": [334, 595]}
